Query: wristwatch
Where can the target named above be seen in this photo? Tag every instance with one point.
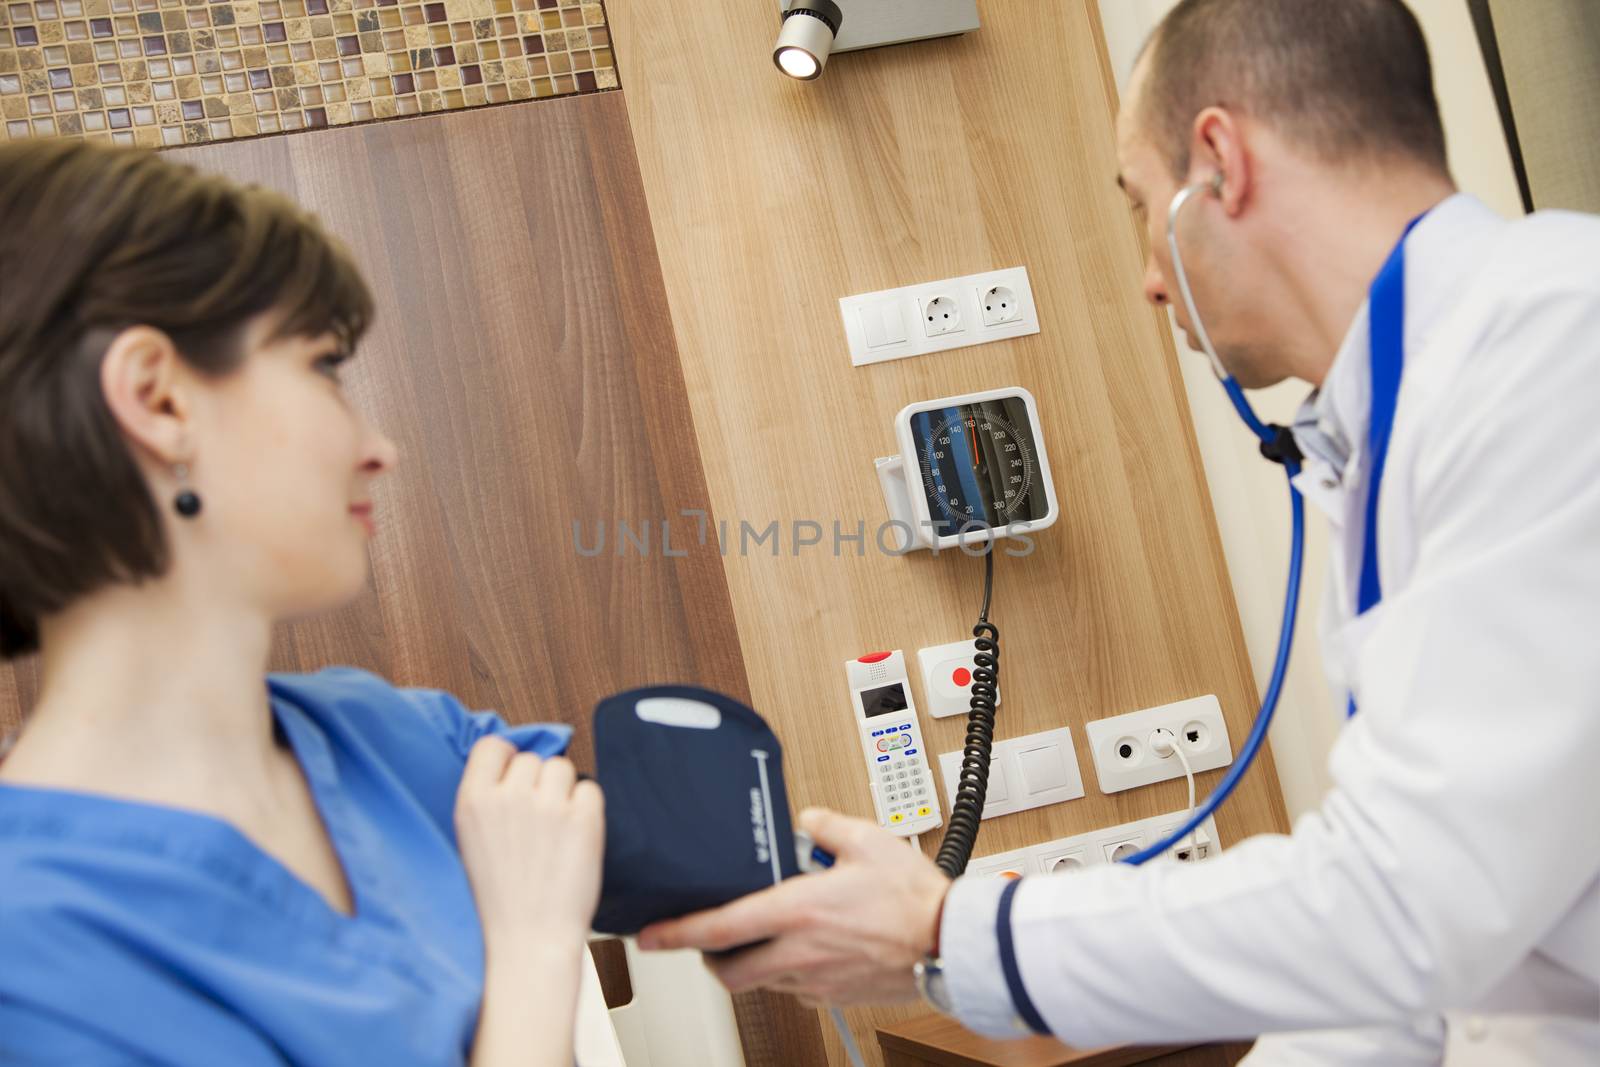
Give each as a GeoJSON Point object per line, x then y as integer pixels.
{"type": "Point", "coordinates": [929, 975]}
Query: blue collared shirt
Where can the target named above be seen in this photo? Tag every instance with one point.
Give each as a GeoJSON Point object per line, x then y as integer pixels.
{"type": "Point", "coordinates": [134, 932]}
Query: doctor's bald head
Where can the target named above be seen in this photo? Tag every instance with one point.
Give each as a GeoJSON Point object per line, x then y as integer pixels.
{"type": "Point", "coordinates": [1347, 81]}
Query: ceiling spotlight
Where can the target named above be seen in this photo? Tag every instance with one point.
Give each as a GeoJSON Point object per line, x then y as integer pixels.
{"type": "Point", "coordinates": [809, 29]}
{"type": "Point", "coordinates": [813, 30]}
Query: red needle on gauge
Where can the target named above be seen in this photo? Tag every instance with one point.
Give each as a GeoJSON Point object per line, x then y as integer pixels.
{"type": "Point", "coordinates": [972, 436]}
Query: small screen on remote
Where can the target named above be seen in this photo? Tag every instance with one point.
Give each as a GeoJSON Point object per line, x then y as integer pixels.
{"type": "Point", "coordinates": [883, 700]}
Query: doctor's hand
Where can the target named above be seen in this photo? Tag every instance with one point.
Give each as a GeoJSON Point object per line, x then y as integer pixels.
{"type": "Point", "coordinates": [531, 838]}
{"type": "Point", "coordinates": [846, 935]}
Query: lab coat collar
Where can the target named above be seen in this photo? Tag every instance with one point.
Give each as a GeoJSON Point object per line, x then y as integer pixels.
{"type": "Point", "coordinates": [1331, 426]}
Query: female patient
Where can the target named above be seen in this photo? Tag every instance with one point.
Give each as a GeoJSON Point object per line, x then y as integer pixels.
{"type": "Point", "coordinates": [201, 864]}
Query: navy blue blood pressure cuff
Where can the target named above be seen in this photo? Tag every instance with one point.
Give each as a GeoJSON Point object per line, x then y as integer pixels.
{"type": "Point", "coordinates": [696, 810]}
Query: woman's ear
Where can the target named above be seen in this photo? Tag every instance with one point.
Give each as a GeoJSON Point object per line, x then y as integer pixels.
{"type": "Point", "coordinates": [1217, 157]}
{"type": "Point", "coordinates": [141, 378]}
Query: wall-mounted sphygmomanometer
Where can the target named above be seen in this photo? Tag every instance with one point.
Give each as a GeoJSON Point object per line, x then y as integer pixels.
{"type": "Point", "coordinates": [971, 468]}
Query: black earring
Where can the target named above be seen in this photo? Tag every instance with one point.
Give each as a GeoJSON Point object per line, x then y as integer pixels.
{"type": "Point", "coordinates": [187, 502]}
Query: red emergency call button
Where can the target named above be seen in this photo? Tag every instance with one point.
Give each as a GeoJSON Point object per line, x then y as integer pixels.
{"type": "Point", "coordinates": [961, 677]}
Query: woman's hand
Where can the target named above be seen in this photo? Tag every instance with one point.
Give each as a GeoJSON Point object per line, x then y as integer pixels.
{"type": "Point", "coordinates": [531, 837]}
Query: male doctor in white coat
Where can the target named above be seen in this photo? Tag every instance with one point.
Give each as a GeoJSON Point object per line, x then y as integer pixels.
{"type": "Point", "coordinates": [1444, 898]}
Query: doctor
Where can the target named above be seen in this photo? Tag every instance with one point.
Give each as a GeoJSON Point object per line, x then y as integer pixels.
{"type": "Point", "coordinates": [1446, 895]}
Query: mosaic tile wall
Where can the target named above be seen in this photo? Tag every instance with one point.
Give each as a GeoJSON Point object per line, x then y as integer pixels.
{"type": "Point", "coordinates": [167, 72]}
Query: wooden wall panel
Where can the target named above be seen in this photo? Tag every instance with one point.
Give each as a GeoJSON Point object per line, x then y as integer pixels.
{"type": "Point", "coordinates": [523, 360]}
{"type": "Point", "coordinates": [771, 199]}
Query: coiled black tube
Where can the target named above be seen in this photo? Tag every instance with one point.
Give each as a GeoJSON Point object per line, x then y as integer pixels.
{"type": "Point", "coordinates": [972, 789]}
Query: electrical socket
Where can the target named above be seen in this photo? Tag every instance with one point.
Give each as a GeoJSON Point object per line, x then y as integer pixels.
{"type": "Point", "coordinates": [1117, 851]}
{"type": "Point", "coordinates": [940, 316]}
{"type": "Point", "coordinates": [1000, 305]}
{"type": "Point", "coordinates": [1007, 866]}
{"type": "Point", "coordinates": [1062, 860]}
{"type": "Point", "coordinates": [1196, 848]}
{"type": "Point", "coordinates": [1125, 758]}
{"type": "Point", "coordinates": [1099, 847]}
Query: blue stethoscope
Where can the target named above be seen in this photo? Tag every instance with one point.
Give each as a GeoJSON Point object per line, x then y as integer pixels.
{"type": "Point", "coordinates": [1386, 310]}
{"type": "Point", "coordinates": [1386, 313]}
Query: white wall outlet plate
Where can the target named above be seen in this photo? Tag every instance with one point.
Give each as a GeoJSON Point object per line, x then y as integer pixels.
{"type": "Point", "coordinates": [1097, 847]}
{"type": "Point", "coordinates": [918, 319]}
{"type": "Point", "coordinates": [1122, 751]}
{"type": "Point", "coordinates": [1024, 772]}
{"type": "Point", "coordinates": [947, 678]}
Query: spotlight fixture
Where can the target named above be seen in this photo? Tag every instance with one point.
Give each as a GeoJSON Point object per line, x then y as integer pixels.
{"type": "Point", "coordinates": [815, 29]}
{"type": "Point", "coordinates": [809, 29]}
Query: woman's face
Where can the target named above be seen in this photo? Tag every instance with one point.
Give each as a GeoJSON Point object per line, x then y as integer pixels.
{"type": "Point", "coordinates": [284, 467]}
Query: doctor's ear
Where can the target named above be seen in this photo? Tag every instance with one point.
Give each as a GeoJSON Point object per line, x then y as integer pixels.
{"type": "Point", "coordinates": [1218, 157]}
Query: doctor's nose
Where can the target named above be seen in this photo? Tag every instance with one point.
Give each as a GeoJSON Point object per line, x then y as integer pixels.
{"type": "Point", "coordinates": [1155, 283]}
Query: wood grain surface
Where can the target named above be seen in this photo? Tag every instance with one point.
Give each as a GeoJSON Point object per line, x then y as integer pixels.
{"type": "Point", "coordinates": [771, 199]}
{"type": "Point", "coordinates": [524, 362]}
{"type": "Point", "coordinates": [937, 1040]}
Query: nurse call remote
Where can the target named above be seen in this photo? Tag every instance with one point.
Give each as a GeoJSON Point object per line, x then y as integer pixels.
{"type": "Point", "coordinates": [897, 764]}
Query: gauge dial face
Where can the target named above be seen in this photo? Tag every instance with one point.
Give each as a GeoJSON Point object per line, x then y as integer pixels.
{"type": "Point", "coordinates": [979, 465]}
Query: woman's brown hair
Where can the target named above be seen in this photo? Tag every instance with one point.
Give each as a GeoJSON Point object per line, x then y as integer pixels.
{"type": "Point", "coordinates": [94, 240]}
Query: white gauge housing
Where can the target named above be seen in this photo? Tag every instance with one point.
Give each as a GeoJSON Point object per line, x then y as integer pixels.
{"type": "Point", "coordinates": [938, 498]}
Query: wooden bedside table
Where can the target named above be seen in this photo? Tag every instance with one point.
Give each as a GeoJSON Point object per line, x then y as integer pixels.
{"type": "Point", "coordinates": [937, 1041]}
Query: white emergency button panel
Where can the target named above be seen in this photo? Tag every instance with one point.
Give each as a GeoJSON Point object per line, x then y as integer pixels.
{"type": "Point", "coordinates": [1025, 772]}
{"type": "Point", "coordinates": [947, 678]}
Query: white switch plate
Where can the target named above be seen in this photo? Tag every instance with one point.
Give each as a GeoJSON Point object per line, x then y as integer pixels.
{"type": "Point", "coordinates": [895, 323]}
{"type": "Point", "coordinates": [1095, 848]}
{"type": "Point", "coordinates": [1024, 772]}
{"type": "Point", "coordinates": [1120, 745]}
{"type": "Point", "coordinates": [941, 667]}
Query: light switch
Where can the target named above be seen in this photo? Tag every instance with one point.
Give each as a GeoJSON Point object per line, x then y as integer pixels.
{"type": "Point", "coordinates": [1024, 772]}
{"type": "Point", "coordinates": [883, 324]}
{"type": "Point", "coordinates": [1042, 769]}
{"type": "Point", "coordinates": [998, 790]}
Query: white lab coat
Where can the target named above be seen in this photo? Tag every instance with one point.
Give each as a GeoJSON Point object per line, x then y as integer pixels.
{"type": "Point", "coordinates": [1447, 892]}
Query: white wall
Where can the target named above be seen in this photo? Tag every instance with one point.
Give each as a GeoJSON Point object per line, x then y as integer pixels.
{"type": "Point", "coordinates": [1249, 494]}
